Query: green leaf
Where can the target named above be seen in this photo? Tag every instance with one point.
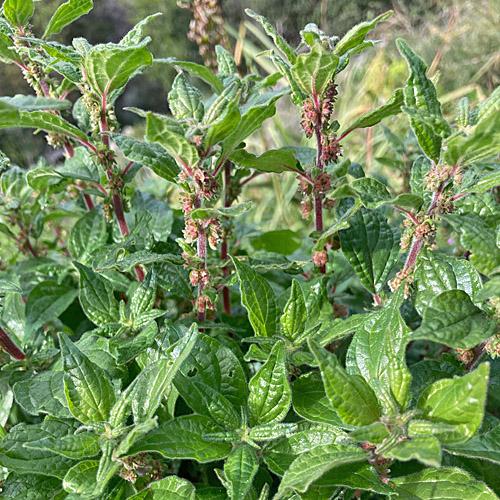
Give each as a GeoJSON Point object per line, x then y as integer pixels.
{"type": "Point", "coordinates": [18, 12]}
{"type": "Point", "coordinates": [11, 116]}
{"type": "Point", "coordinates": [377, 353]}
{"type": "Point", "coordinates": [165, 132]}
{"type": "Point", "coordinates": [81, 166]}
{"type": "Point", "coordinates": [483, 446]}
{"type": "Point", "coordinates": [259, 300]}
{"type": "Point", "coordinates": [88, 388]}
{"type": "Point", "coordinates": [150, 155]}
{"type": "Point", "coordinates": [448, 482]}
{"type": "Point", "coordinates": [478, 146]}
{"type": "Point", "coordinates": [279, 41]}
{"type": "Point", "coordinates": [46, 302]}
{"type": "Point", "coordinates": [356, 35]}
{"type": "Point", "coordinates": [314, 70]}
{"type": "Point", "coordinates": [233, 211]}
{"type": "Point", "coordinates": [7, 286]}
{"type": "Point", "coordinates": [185, 101]}
{"type": "Point", "coordinates": [479, 238]}
{"type": "Point", "coordinates": [31, 487]}
{"type": "Point", "coordinates": [239, 471]}
{"type": "Point", "coordinates": [452, 319]}
{"type": "Point", "coordinates": [282, 241]}
{"type": "Point", "coordinates": [250, 121]}
{"type": "Point", "coordinates": [43, 393]}
{"type": "Point", "coordinates": [350, 395]}
{"type": "Point", "coordinates": [390, 108]}
{"type": "Point", "coordinates": [371, 246]}
{"type": "Point", "coordinates": [96, 297]}
{"type": "Point", "coordinates": [311, 465]}
{"type": "Point", "coordinates": [340, 328]}
{"type": "Point", "coordinates": [182, 439]}
{"type": "Point", "coordinates": [154, 380]}
{"type": "Point", "coordinates": [488, 107]}
{"type": "Point", "coordinates": [32, 103]}
{"type": "Point", "coordinates": [274, 160]}
{"type": "Point", "coordinates": [372, 192]}
{"type": "Point", "coordinates": [294, 318]}
{"type": "Point", "coordinates": [198, 71]}
{"type": "Point", "coordinates": [310, 401]}
{"type": "Point", "coordinates": [81, 445]}
{"type": "Point", "coordinates": [169, 488]}
{"type": "Point", "coordinates": [22, 460]}
{"type": "Point", "coordinates": [225, 61]}
{"type": "Point", "coordinates": [420, 93]}
{"type": "Point", "coordinates": [270, 395]}
{"type": "Point", "coordinates": [87, 235]}
{"type": "Point", "coordinates": [484, 183]}
{"type": "Point", "coordinates": [66, 14]}
{"type": "Point", "coordinates": [109, 69]}
{"type": "Point", "coordinates": [81, 479]}
{"type": "Point", "coordinates": [458, 401]}
{"type": "Point", "coordinates": [437, 273]}
{"type": "Point", "coordinates": [426, 450]}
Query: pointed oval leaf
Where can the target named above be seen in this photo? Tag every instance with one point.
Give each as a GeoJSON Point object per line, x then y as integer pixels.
{"type": "Point", "coordinates": [458, 401]}
{"type": "Point", "coordinates": [259, 300]}
{"type": "Point", "coordinates": [240, 469]}
{"type": "Point", "coordinates": [88, 387]}
{"type": "Point", "coordinates": [270, 395]}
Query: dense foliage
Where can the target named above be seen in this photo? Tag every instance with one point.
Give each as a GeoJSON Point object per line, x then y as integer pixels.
{"type": "Point", "coordinates": [155, 352]}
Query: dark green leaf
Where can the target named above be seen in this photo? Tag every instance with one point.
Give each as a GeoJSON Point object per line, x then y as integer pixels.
{"type": "Point", "coordinates": [371, 246]}
{"type": "Point", "coordinates": [88, 388]}
{"type": "Point", "coordinates": [87, 235]}
{"type": "Point", "coordinates": [182, 438]}
{"type": "Point", "coordinates": [311, 465]}
{"type": "Point", "coordinates": [294, 316]}
{"type": "Point", "coordinates": [96, 297]}
{"type": "Point", "coordinates": [46, 302]}
{"type": "Point", "coordinates": [150, 155]}
{"type": "Point", "coordinates": [270, 395]}
{"type": "Point", "coordinates": [274, 160]}
{"type": "Point", "coordinates": [483, 446]}
{"type": "Point", "coordinates": [239, 470]}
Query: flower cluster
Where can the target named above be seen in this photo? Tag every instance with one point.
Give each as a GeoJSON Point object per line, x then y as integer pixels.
{"type": "Point", "coordinates": [406, 276]}
{"type": "Point", "coordinates": [320, 258]}
{"type": "Point", "coordinates": [330, 149]}
{"type": "Point", "coordinates": [207, 28]}
{"type": "Point", "coordinates": [423, 228]}
{"type": "Point", "coordinates": [436, 175]}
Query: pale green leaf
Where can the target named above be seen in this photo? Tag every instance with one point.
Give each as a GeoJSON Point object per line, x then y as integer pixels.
{"type": "Point", "coordinates": [259, 300]}
{"type": "Point", "coordinates": [67, 13]}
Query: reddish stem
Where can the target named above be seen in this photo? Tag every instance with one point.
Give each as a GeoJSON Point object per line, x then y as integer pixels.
{"type": "Point", "coordinates": [202, 254]}
{"type": "Point", "coordinates": [224, 247]}
{"type": "Point", "coordinates": [318, 199]}
{"type": "Point", "coordinates": [88, 201]}
{"type": "Point", "coordinates": [126, 169]}
{"type": "Point", "coordinates": [9, 347]}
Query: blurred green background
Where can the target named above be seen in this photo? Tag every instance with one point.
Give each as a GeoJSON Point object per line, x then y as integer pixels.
{"type": "Point", "coordinates": [459, 39]}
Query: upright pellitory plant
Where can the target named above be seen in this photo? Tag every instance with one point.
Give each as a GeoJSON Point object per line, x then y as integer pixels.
{"type": "Point", "coordinates": [311, 71]}
{"type": "Point", "coordinates": [121, 379]}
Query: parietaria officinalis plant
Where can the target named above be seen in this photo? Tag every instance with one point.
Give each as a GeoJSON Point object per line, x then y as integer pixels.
{"type": "Point", "coordinates": [156, 352]}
